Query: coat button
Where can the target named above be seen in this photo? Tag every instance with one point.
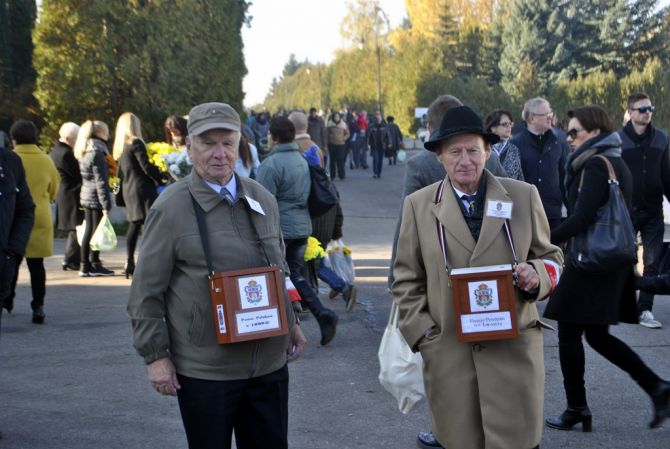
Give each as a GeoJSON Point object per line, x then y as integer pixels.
{"type": "Point", "coordinates": [476, 347]}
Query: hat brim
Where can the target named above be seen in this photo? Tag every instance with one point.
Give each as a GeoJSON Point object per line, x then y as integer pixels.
{"type": "Point", "coordinates": [210, 126]}
{"type": "Point", "coordinates": [436, 140]}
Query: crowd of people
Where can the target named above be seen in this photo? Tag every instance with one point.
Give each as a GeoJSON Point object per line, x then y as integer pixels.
{"type": "Point", "coordinates": [246, 201]}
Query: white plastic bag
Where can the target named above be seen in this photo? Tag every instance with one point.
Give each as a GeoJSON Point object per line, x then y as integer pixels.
{"type": "Point", "coordinates": [80, 232]}
{"type": "Point", "coordinates": [104, 237]}
{"type": "Point", "coordinates": [400, 370]}
{"type": "Point", "coordinates": [402, 156]}
{"type": "Point", "coordinates": [341, 262]}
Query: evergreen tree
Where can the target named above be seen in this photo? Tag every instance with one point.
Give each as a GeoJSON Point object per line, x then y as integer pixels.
{"type": "Point", "coordinates": [645, 35]}
{"type": "Point", "coordinates": [17, 75]}
{"type": "Point", "coordinates": [291, 66]}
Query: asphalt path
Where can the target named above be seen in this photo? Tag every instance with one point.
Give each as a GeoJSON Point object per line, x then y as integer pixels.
{"type": "Point", "coordinates": [76, 382]}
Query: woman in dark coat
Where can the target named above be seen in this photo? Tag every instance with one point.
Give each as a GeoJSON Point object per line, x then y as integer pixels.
{"type": "Point", "coordinates": [588, 303]}
{"type": "Point", "coordinates": [139, 179]}
{"type": "Point", "coordinates": [69, 213]}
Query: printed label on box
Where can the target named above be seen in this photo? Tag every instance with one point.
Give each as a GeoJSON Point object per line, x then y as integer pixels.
{"type": "Point", "coordinates": [259, 320]}
{"type": "Point", "coordinates": [486, 322]}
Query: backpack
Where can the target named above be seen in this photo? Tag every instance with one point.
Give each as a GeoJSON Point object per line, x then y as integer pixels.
{"type": "Point", "coordinates": [322, 193]}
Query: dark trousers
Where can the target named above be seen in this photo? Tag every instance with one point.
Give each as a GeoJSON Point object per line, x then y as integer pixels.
{"type": "Point", "coordinates": [92, 217]}
{"type": "Point", "coordinates": [338, 155]}
{"type": "Point", "coordinates": [355, 153]}
{"type": "Point", "coordinates": [571, 354]}
{"type": "Point", "coordinates": [377, 160]}
{"type": "Point", "coordinates": [255, 409]}
{"type": "Point", "coordinates": [38, 281]}
{"type": "Point", "coordinates": [72, 248]}
{"type": "Point", "coordinates": [133, 234]}
{"type": "Point", "coordinates": [362, 152]}
{"type": "Point", "coordinates": [295, 258]}
{"type": "Point", "coordinates": [651, 229]}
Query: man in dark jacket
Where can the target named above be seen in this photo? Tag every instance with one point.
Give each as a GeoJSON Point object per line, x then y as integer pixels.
{"type": "Point", "coordinates": [543, 155]}
{"type": "Point", "coordinates": [316, 128]}
{"type": "Point", "coordinates": [378, 141]}
{"type": "Point", "coordinates": [395, 136]}
{"type": "Point", "coordinates": [69, 213]}
{"type": "Point", "coordinates": [645, 150]}
{"type": "Point", "coordinates": [17, 215]}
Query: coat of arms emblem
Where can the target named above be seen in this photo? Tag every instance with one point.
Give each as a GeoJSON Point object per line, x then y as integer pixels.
{"type": "Point", "coordinates": [484, 295]}
{"type": "Point", "coordinates": [253, 292]}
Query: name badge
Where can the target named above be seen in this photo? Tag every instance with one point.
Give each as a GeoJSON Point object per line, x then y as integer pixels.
{"type": "Point", "coordinates": [499, 209]}
{"type": "Point", "coordinates": [255, 205]}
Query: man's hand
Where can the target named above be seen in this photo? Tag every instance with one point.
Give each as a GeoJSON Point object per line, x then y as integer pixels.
{"type": "Point", "coordinates": [525, 277]}
{"type": "Point", "coordinates": [163, 376]}
{"type": "Point", "coordinates": [296, 343]}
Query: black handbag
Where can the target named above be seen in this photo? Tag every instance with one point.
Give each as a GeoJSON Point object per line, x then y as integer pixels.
{"type": "Point", "coordinates": [322, 193]}
{"type": "Point", "coordinates": [609, 243]}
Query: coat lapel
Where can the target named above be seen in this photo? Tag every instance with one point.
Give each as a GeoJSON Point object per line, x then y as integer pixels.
{"type": "Point", "coordinates": [448, 212]}
{"type": "Point", "coordinates": [491, 227]}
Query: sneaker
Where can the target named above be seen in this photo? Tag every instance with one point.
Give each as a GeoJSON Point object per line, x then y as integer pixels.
{"type": "Point", "coordinates": [97, 270]}
{"type": "Point", "coordinates": [647, 320]}
{"type": "Point", "coordinates": [349, 294]}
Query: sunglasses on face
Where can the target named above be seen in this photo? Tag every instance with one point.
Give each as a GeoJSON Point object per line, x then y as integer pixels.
{"type": "Point", "coordinates": [644, 109]}
{"type": "Point", "coordinates": [572, 133]}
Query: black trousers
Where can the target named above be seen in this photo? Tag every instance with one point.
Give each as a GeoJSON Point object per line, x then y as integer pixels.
{"type": "Point", "coordinates": [133, 234]}
{"type": "Point", "coordinates": [72, 248]}
{"type": "Point", "coordinates": [92, 217]}
{"type": "Point", "coordinates": [651, 229]}
{"type": "Point", "coordinates": [38, 280]}
{"type": "Point", "coordinates": [338, 154]}
{"type": "Point", "coordinates": [571, 354]}
{"type": "Point", "coordinates": [255, 409]}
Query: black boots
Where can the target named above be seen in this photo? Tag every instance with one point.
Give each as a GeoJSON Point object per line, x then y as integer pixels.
{"type": "Point", "coordinates": [328, 323]}
{"type": "Point", "coordinates": [129, 269]}
{"type": "Point", "coordinates": [38, 315]}
{"type": "Point", "coordinates": [570, 417]}
{"type": "Point", "coordinates": [660, 397]}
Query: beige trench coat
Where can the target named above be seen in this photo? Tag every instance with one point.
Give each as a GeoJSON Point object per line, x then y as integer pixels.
{"type": "Point", "coordinates": [486, 395]}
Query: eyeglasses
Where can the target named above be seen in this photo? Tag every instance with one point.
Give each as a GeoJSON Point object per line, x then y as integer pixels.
{"type": "Point", "coordinates": [506, 124]}
{"type": "Point", "coordinates": [644, 109]}
{"type": "Point", "coordinates": [572, 133]}
{"type": "Point", "coordinates": [547, 115]}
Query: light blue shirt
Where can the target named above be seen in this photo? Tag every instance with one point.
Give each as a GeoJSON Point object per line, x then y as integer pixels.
{"type": "Point", "coordinates": [231, 186]}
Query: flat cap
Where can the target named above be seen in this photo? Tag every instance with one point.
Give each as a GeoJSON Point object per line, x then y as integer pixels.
{"type": "Point", "coordinates": [207, 116]}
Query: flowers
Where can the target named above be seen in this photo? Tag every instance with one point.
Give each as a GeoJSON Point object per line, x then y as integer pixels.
{"type": "Point", "coordinates": [169, 159]}
{"type": "Point", "coordinates": [313, 250]}
{"type": "Point", "coordinates": [114, 184]}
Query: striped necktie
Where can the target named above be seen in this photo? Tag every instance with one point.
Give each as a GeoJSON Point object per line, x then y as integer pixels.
{"type": "Point", "coordinates": [227, 195]}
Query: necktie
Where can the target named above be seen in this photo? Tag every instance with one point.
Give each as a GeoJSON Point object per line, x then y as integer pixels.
{"type": "Point", "coordinates": [227, 195]}
{"type": "Point", "coordinates": [470, 199]}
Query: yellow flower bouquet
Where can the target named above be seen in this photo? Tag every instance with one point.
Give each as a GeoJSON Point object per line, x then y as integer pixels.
{"type": "Point", "coordinates": [313, 250]}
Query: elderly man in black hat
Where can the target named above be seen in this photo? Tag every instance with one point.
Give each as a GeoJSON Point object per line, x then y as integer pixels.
{"type": "Point", "coordinates": [485, 389]}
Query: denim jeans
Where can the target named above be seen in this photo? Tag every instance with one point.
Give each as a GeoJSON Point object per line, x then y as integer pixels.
{"type": "Point", "coordinates": [363, 152]}
{"type": "Point", "coordinates": [330, 277]}
{"type": "Point", "coordinates": [295, 258]}
{"type": "Point", "coordinates": [651, 229]}
{"type": "Point", "coordinates": [377, 160]}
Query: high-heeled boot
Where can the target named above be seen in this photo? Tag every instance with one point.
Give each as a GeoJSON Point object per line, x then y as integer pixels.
{"type": "Point", "coordinates": [570, 417]}
{"type": "Point", "coordinates": [660, 397]}
{"type": "Point", "coordinates": [129, 269]}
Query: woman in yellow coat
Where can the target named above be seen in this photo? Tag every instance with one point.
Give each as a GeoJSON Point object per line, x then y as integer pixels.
{"type": "Point", "coordinates": [43, 180]}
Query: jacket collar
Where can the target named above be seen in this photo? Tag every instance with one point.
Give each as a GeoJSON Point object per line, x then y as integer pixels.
{"type": "Point", "coordinates": [284, 148]}
{"type": "Point", "coordinates": [28, 149]}
{"type": "Point", "coordinates": [206, 197]}
{"type": "Point", "coordinates": [448, 212]}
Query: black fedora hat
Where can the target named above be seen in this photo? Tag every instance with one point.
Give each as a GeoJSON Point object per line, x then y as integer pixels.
{"type": "Point", "coordinates": [457, 121]}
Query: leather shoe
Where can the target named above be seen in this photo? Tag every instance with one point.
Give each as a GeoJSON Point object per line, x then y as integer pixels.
{"type": "Point", "coordinates": [571, 417]}
{"type": "Point", "coordinates": [661, 400]}
{"type": "Point", "coordinates": [328, 324]}
{"type": "Point", "coordinates": [38, 315]}
{"type": "Point", "coordinates": [70, 266]}
{"type": "Point", "coordinates": [426, 440]}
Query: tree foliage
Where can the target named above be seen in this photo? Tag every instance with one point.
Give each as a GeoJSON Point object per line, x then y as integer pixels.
{"type": "Point", "coordinates": [151, 57]}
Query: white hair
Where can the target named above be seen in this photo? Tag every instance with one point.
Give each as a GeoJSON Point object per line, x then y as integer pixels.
{"type": "Point", "coordinates": [68, 133]}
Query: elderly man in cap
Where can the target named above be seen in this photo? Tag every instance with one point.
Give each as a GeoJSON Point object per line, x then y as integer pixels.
{"type": "Point", "coordinates": [221, 388]}
{"type": "Point", "coordinates": [472, 219]}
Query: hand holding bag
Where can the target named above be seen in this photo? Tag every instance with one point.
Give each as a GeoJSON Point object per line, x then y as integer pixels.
{"type": "Point", "coordinates": [400, 369]}
{"type": "Point", "coordinates": [609, 243]}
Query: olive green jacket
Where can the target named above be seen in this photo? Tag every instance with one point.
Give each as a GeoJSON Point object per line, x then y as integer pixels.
{"type": "Point", "coordinates": [169, 304]}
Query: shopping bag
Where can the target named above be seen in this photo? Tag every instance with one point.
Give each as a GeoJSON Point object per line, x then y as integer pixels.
{"type": "Point", "coordinates": [402, 156]}
{"type": "Point", "coordinates": [341, 262]}
{"type": "Point", "coordinates": [400, 370]}
{"type": "Point", "coordinates": [104, 237]}
{"type": "Point", "coordinates": [80, 232]}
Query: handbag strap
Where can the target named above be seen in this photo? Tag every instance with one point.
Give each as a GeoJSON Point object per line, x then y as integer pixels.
{"type": "Point", "coordinates": [204, 237]}
{"type": "Point", "coordinates": [441, 234]}
{"type": "Point", "coordinates": [610, 171]}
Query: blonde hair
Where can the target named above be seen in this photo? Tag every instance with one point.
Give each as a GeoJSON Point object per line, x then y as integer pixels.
{"type": "Point", "coordinates": [128, 128]}
{"type": "Point", "coordinates": [90, 128]}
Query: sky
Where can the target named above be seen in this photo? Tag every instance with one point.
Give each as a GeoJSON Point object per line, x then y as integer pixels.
{"type": "Point", "coordinates": [307, 28]}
